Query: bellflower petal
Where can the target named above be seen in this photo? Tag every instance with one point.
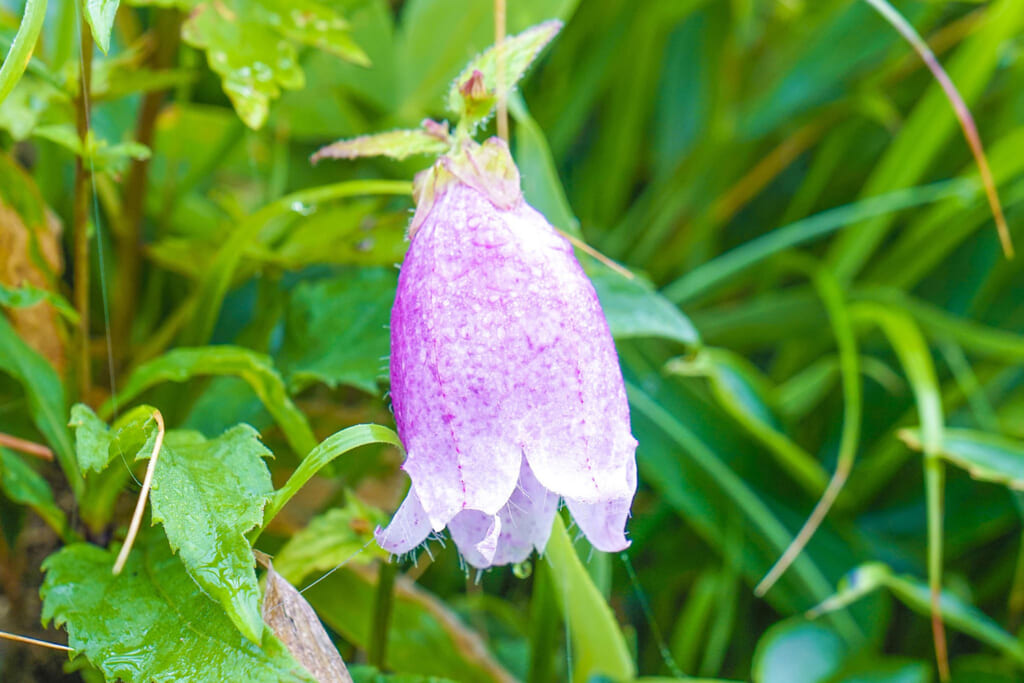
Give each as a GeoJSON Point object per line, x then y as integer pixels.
{"type": "Point", "coordinates": [504, 377]}
{"type": "Point", "coordinates": [409, 527]}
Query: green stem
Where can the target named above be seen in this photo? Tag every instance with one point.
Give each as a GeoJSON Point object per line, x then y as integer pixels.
{"type": "Point", "coordinates": [80, 221]}
{"type": "Point", "coordinates": [129, 243]}
{"type": "Point", "coordinates": [935, 477]}
{"type": "Point", "coordinates": [21, 49]}
{"type": "Point", "coordinates": [376, 651]}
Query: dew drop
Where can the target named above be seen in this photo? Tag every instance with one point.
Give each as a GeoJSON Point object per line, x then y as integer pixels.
{"type": "Point", "coordinates": [522, 570]}
{"type": "Point", "coordinates": [302, 209]}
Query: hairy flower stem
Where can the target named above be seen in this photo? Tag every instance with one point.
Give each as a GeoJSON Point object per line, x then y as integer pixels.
{"type": "Point", "coordinates": [129, 255]}
{"type": "Point", "coordinates": [80, 218]}
{"type": "Point", "coordinates": [499, 39]}
{"type": "Point", "coordinates": [376, 651]}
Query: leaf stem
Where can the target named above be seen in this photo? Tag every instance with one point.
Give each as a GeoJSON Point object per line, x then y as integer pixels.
{"type": "Point", "coordinates": [499, 48]}
{"type": "Point", "coordinates": [832, 296]}
{"type": "Point", "coordinates": [33, 641]}
{"type": "Point", "coordinates": [140, 506]}
{"type": "Point", "coordinates": [25, 446]}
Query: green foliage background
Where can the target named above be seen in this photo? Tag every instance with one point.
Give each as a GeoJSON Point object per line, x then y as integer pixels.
{"type": "Point", "coordinates": [819, 284]}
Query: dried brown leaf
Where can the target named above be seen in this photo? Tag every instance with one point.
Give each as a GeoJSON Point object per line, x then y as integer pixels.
{"type": "Point", "coordinates": [296, 625]}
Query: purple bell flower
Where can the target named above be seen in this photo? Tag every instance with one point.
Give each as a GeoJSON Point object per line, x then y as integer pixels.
{"type": "Point", "coordinates": [505, 382]}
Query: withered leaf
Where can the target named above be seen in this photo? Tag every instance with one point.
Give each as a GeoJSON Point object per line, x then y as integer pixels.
{"type": "Point", "coordinates": [296, 625]}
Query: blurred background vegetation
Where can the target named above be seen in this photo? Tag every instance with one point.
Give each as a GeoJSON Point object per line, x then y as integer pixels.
{"type": "Point", "coordinates": [819, 281]}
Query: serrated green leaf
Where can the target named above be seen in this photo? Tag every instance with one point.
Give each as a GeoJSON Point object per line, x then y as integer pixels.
{"type": "Point", "coordinates": [152, 622]}
{"type": "Point", "coordinates": [207, 494]}
{"type": "Point", "coordinates": [517, 53]}
{"type": "Point", "coordinates": [23, 485]}
{"type": "Point", "coordinates": [396, 144]}
{"type": "Point", "coordinates": [100, 16]}
{"type": "Point", "coordinates": [96, 445]}
{"type": "Point", "coordinates": [336, 330]}
{"type": "Point", "coordinates": [45, 394]}
{"type": "Point", "coordinates": [331, 539]}
{"type": "Point", "coordinates": [985, 456]}
{"type": "Point", "coordinates": [248, 46]}
{"type": "Point", "coordinates": [254, 62]}
{"type": "Point", "coordinates": [180, 365]}
{"type": "Point", "coordinates": [310, 23]}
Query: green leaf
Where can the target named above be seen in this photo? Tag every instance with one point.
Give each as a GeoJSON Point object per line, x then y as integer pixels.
{"type": "Point", "coordinates": [32, 102]}
{"type": "Point", "coordinates": [516, 53]}
{"type": "Point", "coordinates": [334, 538]}
{"type": "Point", "coordinates": [745, 394]}
{"type": "Point", "coordinates": [369, 674]}
{"type": "Point", "coordinates": [598, 646]}
{"type": "Point", "coordinates": [207, 494]}
{"type": "Point", "coordinates": [635, 309]}
{"type": "Point", "coordinates": [100, 15]}
{"type": "Point", "coordinates": [985, 456]}
{"type": "Point", "coordinates": [98, 152]}
{"type": "Point", "coordinates": [24, 486]}
{"type": "Point", "coordinates": [21, 48]}
{"type": "Point", "coordinates": [45, 394]}
{"type": "Point", "coordinates": [798, 652]}
{"type": "Point", "coordinates": [336, 331]}
{"type": "Point", "coordinates": [96, 446]}
{"type": "Point", "coordinates": [330, 448]}
{"type": "Point", "coordinates": [180, 365]}
{"type": "Point", "coordinates": [542, 187]}
{"type": "Point", "coordinates": [218, 277]}
{"type": "Point", "coordinates": [248, 44]}
{"type": "Point", "coordinates": [152, 622]}
{"type": "Point", "coordinates": [396, 144]}
{"type": "Point", "coordinates": [29, 295]}
{"type": "Point", "coordinates": [712, 275]}
{"type": "Point", "coordinates": [916, 595]}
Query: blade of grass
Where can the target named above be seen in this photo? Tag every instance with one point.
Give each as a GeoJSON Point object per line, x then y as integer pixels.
{"type": "Point", "coordinates": [842, 327]}
{"type": "Point", "coordinates": [21, 48]}
{"type": "Point", "coordinates": [916, 360]}
{"type": "Point", "coordinates": [705, 278]}
{"type": "Point", "coordinates": [960, 108]}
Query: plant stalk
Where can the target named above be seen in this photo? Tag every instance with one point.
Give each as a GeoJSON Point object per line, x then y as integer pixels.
{"type": "Point", "coordinates": [80, 219]}
{"type": "Point", "coordinates": [376, 652]}
{"type": "Point", "coordinates": [129, 243]}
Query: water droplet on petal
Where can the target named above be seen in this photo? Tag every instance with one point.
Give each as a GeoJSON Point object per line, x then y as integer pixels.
{"type": "Point", "coordinates": [522, 570]}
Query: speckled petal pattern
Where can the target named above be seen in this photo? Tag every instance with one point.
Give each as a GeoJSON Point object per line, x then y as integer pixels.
{"type": "Point", "coordinates": [504, 377]}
